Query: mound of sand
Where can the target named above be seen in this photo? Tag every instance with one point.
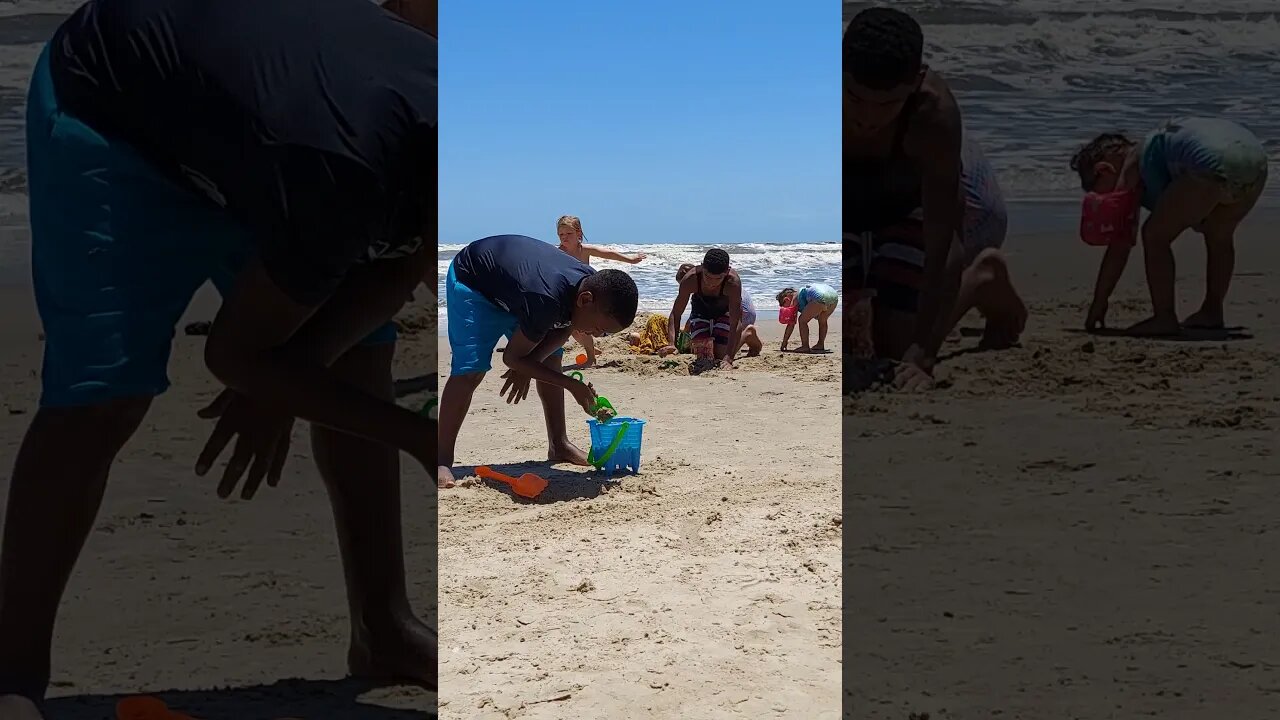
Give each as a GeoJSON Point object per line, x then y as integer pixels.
{"type": "Point", "coordinates": [615, 353]}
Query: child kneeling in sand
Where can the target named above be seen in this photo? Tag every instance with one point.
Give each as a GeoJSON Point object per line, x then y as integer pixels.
{"type": "Point", "coordinates": [812, 302]}
{"type": "Point", "coordinates": [748, 335]}
{"type": "Point", "coordinates": [715, 322]}
{"type": "Point", "coordinates": [534, 295]}
{"type": "Point", "coordinates": [1202, 174]}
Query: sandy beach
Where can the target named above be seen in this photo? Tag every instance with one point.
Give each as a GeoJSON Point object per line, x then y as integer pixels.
{"type": "Point", "coordinates": [228, 610]}
{"type": "Point", "coordinates": [707, 586]}
{"type": "Point", "coordinates": [1080, 527]}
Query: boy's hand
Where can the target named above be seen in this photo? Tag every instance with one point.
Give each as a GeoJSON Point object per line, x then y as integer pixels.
{"type": "Point", "coordinates": [1097, 317]}
{"type": "Point", "coordinates": [585, 395]}
{"type": "Point", "coordinates": [516, 387]}
{"type": "Point", "coordinates": [261, 448]}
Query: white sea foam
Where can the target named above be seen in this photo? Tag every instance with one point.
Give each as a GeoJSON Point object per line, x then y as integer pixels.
{"type": "Point", "coordinates": [1036, 78]}
{"type": "Point", "coordinates": [765, 268]}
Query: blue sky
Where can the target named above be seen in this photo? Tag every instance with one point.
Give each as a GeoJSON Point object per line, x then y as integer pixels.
{"type": "Point", "coordinates": [711, 122]}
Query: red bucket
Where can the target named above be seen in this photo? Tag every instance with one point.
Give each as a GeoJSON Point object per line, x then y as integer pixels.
{"type": "Point", "coordinates": [1109, 218]}
{"type": "Point", "coordinates": [787, 314]}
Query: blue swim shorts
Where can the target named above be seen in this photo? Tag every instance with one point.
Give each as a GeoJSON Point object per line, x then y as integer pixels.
{"type": "Point", "coordinates": [118, 250]}
{"type": "Point", "coordinates": [475, 326]}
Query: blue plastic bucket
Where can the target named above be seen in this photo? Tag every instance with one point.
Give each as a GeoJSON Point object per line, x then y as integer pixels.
{"type": "Point", "coordinates": [627, 455]}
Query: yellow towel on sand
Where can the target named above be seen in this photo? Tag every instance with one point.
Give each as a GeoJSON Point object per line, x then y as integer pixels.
{"type": "Point", "coordinates": [653, 337]}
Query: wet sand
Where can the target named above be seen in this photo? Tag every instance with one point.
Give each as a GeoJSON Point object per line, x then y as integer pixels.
{"type": "Point", "coordinates": [1080, 527]}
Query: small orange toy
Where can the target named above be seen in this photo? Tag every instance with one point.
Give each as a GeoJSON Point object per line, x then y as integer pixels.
{"type": "Point", "coordinates": [146, 707]}
{"type": "Point", "coordinates": [581, 359]}
{"type": "Point", "coordinates": [527, 485]}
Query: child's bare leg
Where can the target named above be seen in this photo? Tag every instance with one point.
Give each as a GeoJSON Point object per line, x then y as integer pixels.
{"type": "Point", "coordinates": [1221, 256]}
{"type": "Point", "coordinates": [803, 324]}
{"type": "Point", "coordinates": [388, 641]}
{"type": "Point", "coordinates": [455, 401]}
{"type": "Point", "coordinates": [1188, 202]}
{"type": "Point", "coordinates": [588, 346]}
{"type": "Point", "coordinates": [1220, 249]}
{"type": "Point", "coordinates": [559, 448]}
{"type": "Point", "coordinates": [751, 339]}
{"type": "Point", "coordinates": [57, 485]}
{"type": "Point", "coordinates": [822, 328]}
{"type": "Point", "coordinates": [987, 286]}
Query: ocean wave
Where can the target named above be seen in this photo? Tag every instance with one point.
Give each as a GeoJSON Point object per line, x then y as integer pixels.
{"type": "Point", "coordinates": [1036, 78]}
{"type": "Point", "coordinates": [765, 268]}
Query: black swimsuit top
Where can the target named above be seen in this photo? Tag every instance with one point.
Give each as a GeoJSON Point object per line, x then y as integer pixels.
{"type": "Point", "coordinates": [880, 191]}
{"type": "Point", "coordinates": [711, 306]}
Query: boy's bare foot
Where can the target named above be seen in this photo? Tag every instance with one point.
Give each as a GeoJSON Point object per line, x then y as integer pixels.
{"type": "Point", "coordinates": [754, 351]}
{"type": "Point", "coordinates": [803, 349]}
{"type": "Point", "coordinates": [1155, 327]}
{"type": "Point", "coordinates": [567, 452]}
{"type": "Point", "coordinates": [1204, 319]}
{"type": "Point", "coordinates": [818, 349]}
{"type": "Point", "coordinates": [405, 651]}
{"type": "Point", "coordinates": [444, 477]}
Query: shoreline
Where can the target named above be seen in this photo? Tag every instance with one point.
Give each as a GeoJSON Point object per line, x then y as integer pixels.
{"type": "Point", "coordinates": [1030, 220]}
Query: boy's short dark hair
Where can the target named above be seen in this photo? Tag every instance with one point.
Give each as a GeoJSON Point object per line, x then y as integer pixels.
{"type": "Point", "coordinates": [716, 261]}
{"type": "Point", "coordinates": [1096, 151]}
{"type": "Point", "coordinates": [883, 48]}
{"type": "Point", "coordinates": [616, 291]}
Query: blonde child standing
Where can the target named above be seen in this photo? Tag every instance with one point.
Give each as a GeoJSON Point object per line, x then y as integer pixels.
{"type": "Point", "coordinates": [569, 229]}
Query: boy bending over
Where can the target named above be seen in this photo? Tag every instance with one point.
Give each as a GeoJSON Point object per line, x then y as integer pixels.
{"type": "Point", "coordinates": [534, 295]}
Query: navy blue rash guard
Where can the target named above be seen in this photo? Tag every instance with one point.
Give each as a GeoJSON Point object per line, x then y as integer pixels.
{"type": "Point", "coordinates": [313, 122]}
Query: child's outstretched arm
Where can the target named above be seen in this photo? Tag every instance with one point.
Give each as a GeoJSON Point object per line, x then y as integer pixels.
{"type": "Point", "coordinates": [525, 357]}
{"type": "Point", "coordinates": [940, 185]}
{"type": "Point", "coordinates": [606, 254]}
{"type": "Point", "coordinates": [786, 334]}
{"type": "Point", "coordinates": [687, 286]}
{"type": "Point", "coordinates": [735, 318]}
{"type": "Point", "coordinates": [264, 345]}
{"type": "Point", "coordinates": [1109, 273]}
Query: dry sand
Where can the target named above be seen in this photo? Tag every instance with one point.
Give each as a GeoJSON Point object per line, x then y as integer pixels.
{"type": "Point", "coordinates": [178, 592]}
{"type": "Point", "coordinates": [1080, 527]}
{"type": "Point", "coordinates": [707, 586]}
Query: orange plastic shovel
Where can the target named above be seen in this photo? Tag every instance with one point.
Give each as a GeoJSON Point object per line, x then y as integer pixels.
{"type": "Point", "coordinates": [146, 707]}
{"type": "Point", "coordinates": [527, 485]}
